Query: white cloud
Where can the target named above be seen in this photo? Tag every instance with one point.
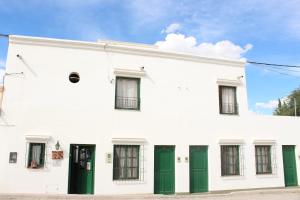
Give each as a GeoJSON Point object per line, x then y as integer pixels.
{"type": "Point", "coordinates": [172, 28]}
{"type": "Point", "coordinates": [271, 105]}
{"type": "Point", "coordinates": [221, 49]}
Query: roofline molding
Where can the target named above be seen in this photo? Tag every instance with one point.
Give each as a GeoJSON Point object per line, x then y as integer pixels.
{"type": "Point", "coordinates": [119, 47]}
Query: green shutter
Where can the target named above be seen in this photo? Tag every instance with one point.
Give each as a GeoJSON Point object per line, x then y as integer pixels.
{"type": "Point", "coordinates": [29, 155]}
{"type": "Point", "coordinates": [42, 157]}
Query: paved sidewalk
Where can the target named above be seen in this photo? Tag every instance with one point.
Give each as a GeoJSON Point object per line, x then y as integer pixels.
{"type": "Point", "coordinates": [262, 194]}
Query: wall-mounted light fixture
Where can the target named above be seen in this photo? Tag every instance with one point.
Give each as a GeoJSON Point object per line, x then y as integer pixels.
{"type": "Point", "coordinates": [57, 145]}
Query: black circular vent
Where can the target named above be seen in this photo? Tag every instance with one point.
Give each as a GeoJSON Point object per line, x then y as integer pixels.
{"type": "Point", "coordinates": [74, 77]}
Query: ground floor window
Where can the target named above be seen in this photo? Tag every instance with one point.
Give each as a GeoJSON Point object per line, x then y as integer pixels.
{"type": "Point", "coordinates": [36, 156]}
{"type": "Point", "coordinates": [263, 159]}
{"type": "Point", "coordinates": [126, 162]}
{"type": "Point", "coordinates": [230, 164]}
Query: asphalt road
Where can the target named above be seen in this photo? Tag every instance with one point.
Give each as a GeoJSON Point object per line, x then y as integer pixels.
{"type": "Point", "coordinates": [269, 194]}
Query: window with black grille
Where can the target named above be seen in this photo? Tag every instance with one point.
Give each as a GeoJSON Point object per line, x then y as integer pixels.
{"type": "Point", "coordinates": [127, 94]}
{"type": "Point", "coordinates": [230, 161]}
{"type": "Point", "coordinates": [227, 100]}
{"type": "Point", "coordinates": [126, 162]}
{"type": "Point", "coordinates": [263, 159]}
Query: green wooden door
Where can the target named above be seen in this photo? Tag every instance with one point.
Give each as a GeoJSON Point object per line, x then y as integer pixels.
{"type": "Point", "coordinates": [289, 165]}
{"type": "Point", "coordinates": [198, 169]}
{"type": "Point", "coordinates": [81, 169]}
{"type": "Point", "coordinates": [164, 169]}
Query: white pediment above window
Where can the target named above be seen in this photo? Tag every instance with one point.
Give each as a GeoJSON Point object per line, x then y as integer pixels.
{"type": "Point", "coordinates": [37, 138]}
{"type": "Point", "coordinates": [231, 142]}
{"type": "Point", "coordinates": [264, 142]}
{"type": "Point", "coordinates": [128, 140]}
{"type": "Point", "coordinates": [129, 72]}
{"type": "Point", "coordinates": [229, 82]}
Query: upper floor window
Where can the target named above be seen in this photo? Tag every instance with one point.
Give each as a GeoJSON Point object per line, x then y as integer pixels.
{"type": "Point", "coordinates": [127, 93]}
{"type": "Point", "coordinates": [263, 159]}
{"type": "Point", "coordinates": [36, 156]}
{"type": "Point", "coordinates": [227, 100]}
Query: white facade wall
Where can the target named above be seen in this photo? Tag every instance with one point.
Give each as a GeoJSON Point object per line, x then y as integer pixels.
{"type": "Point", "coordinates": [179, 106]}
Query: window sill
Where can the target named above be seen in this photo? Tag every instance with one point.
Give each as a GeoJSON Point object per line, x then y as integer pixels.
{"type": "Point", "coordinates": [233, 177]}
{"type": "Point", "coordinates": [128, 109]}
{"type": "Point", "coordinates": [229, 114]}
{"type": "Point", "coordinates": [128, 181]}
{"type": "Point", "coordinates": [265, 175]}
{"type": "Point", "coordinates": [41, 169]}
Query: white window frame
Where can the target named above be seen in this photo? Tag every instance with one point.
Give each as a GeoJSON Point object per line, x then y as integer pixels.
{"type": "Point", "coordinates": [141, 142]}
{"type": "Point", "coordinates": [37, 139]}
{"type": "Point", "coordinates": [241, 144]}
{"type": "Point", "coordinates": [272, 144]}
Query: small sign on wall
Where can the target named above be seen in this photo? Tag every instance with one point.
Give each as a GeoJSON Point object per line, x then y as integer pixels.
{"type": "Point", "coordinates": [13, 156]}
{"type": "Point", "coordinates": [57, 155]}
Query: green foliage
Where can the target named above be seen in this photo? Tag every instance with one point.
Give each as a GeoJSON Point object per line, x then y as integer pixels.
{"type": "Point", "coordinates": [286, 107]}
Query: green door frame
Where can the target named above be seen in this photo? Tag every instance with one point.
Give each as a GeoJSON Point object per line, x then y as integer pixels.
{"type": "Point", "coordinates": [164, 179]}
{"type": "Point", "coordinates": [198, 168]}
{"type": "Point", "coordinates": [92, 164]}
{"type": "Point", "coordinates": [289, 165]}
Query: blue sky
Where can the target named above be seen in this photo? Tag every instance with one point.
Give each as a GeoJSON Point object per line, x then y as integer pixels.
{"type": "Point", "coordinates": [271, 28]}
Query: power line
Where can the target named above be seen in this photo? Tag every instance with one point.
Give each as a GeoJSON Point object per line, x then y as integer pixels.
{"type": "Point", "coordinates": [272, 64]}
{"type": "Point", "coordinates": [282, 73]}
{"type": "Point", "coordinates": [282, 69]}
{"type": "Point", "coordinates": [278, 68]}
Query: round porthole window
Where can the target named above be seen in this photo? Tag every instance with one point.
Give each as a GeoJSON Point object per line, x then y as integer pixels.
{"type": "Point", "coordinates": [74, 77]}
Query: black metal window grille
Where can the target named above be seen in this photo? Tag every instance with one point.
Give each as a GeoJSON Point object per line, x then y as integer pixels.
{"type": "Point", "coordinates": [263, 159]}
{"type": "Point", "coordinates": [127, 93]}
{"type": "Point", "coordinates": [230, 163]}
{"type": "Point", "coordinates": [126, 162]}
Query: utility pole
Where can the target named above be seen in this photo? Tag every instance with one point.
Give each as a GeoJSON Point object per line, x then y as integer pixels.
{"type": "Point", "coordinates": [295, 106]}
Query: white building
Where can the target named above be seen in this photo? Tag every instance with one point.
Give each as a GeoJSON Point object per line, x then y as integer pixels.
{"type": "Point", "coordinates": [130, 118]}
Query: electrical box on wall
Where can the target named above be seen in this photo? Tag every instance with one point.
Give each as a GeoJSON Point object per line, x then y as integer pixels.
{"type": "Point", "coordinates": [108, 158]}
{"type": "Point", "coordinates": [13, 157]}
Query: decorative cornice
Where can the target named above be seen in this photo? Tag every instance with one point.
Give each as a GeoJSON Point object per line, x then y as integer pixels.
{"type": "Point", "coordinates": [37, 137]}
{"type": "Point", "coordinates": [229, 82]}
{"type": "Point", "coordinates": [231, 141]}
{"type": "Point", "coordinates": [118, 47]}
{"type": "Point", "coordinates": [129, 72]}
{"type": "Point", "coordinates": [128, 140]}
{"type": "Point", "coordinates": [264, 142]}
